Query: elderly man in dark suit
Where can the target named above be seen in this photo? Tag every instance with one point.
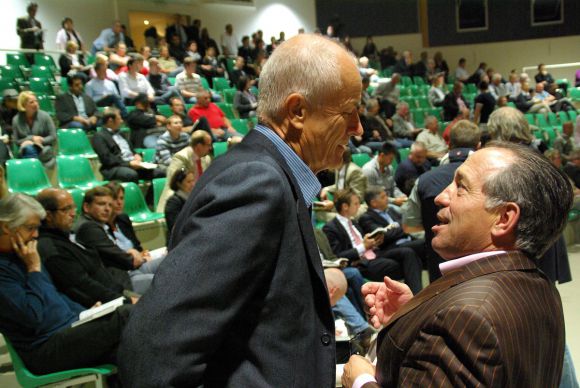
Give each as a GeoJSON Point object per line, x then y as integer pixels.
{"type": "Point", "coordinates": [250, 308]}
{"type": "Point", "coordinates": [493, 319]}
{"type": "Point", "coordinates": [75, 109]}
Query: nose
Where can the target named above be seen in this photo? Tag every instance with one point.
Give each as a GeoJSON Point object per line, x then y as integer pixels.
{"type": "Point", "coordinates": [355, 127]}
{"type": "Point", "coordinates": [442, 200]}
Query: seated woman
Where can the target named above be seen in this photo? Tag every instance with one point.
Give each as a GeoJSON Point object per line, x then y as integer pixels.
{"type": "Point", "coordinates": [244, 101]}
{"type": "Point", "coordinates": [72, 63]}
{"type": "Point", "coordinates": [33, 130]}
{"type": "Point", "coordinates": [182, 183]}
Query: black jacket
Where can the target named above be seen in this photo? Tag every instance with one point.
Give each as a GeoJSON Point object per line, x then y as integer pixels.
{"type": "Point", "coordinates": [77, 270]}
{"type": "Point", "coordinates": [66, 109]}
{"type": "Point", "coordinates": [108, 151]}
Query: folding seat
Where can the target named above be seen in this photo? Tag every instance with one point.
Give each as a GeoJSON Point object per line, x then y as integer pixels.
{"type": "Point", "coordinates": [164, 110]}
{"type": "Point", "coordinates": [26, 176]}
{"type": "Point", "coordinates": [240, 125]}
{"type": "Point", "coordinates": [73, 141]}
{"type": "Point", "coordinates": [41, 86]}
{"type": "Point", "coordinates": [46, 60]}
{"type": "Point", "coordinates": [158, 185]}
{"type": "Point", "coordinates": [219, 148]}
{"type": "Point", "coordinates": [76, 172]}
{"type": "Point", "coordinates": [228, 109]}
{"type": "Point", "coordinates": [135, 205]}
{"type": "Point", "coordinates": [360, 159]}
{"type": "Point", "coordinates": [38, 71]}
{"type": "Point", "coordinates": [418, 80]}
{"type": "Point", "coordinates": [220, 83]}
{"type": "Point", "coordinates": [229, 95]}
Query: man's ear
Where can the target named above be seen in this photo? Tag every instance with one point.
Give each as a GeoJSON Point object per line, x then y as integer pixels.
{"type": "Point", "coordinates": [296, 107]}
{"type": "Point", "coordinates": [504, 228]}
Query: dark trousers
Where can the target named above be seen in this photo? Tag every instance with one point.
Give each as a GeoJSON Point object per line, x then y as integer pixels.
{"type": "Point", "coordinates": [380, 267]}
{"type": "Point", "coordinates": [410, 263]}
{"type": "Point", "coordinates": [91, 344]}
{"type": "Point", "coordinates": [127, 174]}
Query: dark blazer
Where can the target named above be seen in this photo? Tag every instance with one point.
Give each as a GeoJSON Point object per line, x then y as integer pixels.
{"type": "Point", "coordinates": [66, 109]}
{"type": "Point", "coordinates": [28, 39]}
{"type": "Point", "coordinates": [65, 64]}
{"type": "Point", "coordinates": [249, 309]}
{"type": "Point", "coordinates": [243, 104]}
{"type": "Point", "coordinates": [450, 106]}
{"type": "Point", "coordinates": [108, 151]}
{"type": "Point", "coordinates": [371, 220]}
{"type": "Point", "coordinates": [76, 271]}
{"type": "Point", "coordinates": [91, 233]}
{"type": "Point", "coordinates": [172, 209]}
{"type": "Point", "coordinates": [496, 322]}
{"type": "Point", "coordinates": [340, 240]}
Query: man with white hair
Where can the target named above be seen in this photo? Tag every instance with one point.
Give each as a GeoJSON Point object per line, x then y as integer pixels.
{"type": "Point", "coordinates": [411, 168]}
{"type": "Point", "coordinates": [433, 141]}
{"type": "Point", "coordinates": [34, 316]}
{"type": "Point", "coordinates": [252, 308]}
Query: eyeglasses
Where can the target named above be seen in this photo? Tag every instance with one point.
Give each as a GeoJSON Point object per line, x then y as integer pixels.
{"type": "Point", "coordinates": [65, 209]}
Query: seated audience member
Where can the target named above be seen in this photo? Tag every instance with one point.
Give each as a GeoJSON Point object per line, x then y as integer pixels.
{"type": "Point", "coordinates": [379, 172]}
{"type": "Point", "coordinates": [118, 160]}
{"type": "Point", "coordinates": [543, 95]}
{"type": "Point", "coordinates": [543, 76]}
{"type": "Point", "coordinates": [555, 158]}
{"type": "Point", "coordinates": [484, 104]}
{"type": "Point", "coordinates": [194, 158]}
{"type": "Point", "coordinates": [173, 140]}
{"type": "Point", "coordinates": [117, 248]}
{"type": "Point", "coordinates": [411, 168]}
{"type": "Point", "coordinates": [245, 51]}
{"type": "Point", "coordinates": [109, 74]}
{"type": "Point", "coordinates": [176, 49]}
{"type": "Point", "coordinates": [188, 82]}
{"type": "Point", "coordinates": [513, 87]}
{"type": "Point", "coordinates": [479, 74]}
{"type": "Point", "coordinates": [8, 109]}
{"type": "Point", "coordinates": [146, 126]}
{"type": "Point", "coordinates": [178, 109]}
{"type": "Point", "coordinates": [561, 103]}
{"type": "Point", "coordinates": [364, 69]}
{"type": "Point", "coordinates": [441, 64]}
{"type": "Point", "coordinates": [404, 66]}
{"type": "Point", "coordinates": [461, 115]}
{"type": "Point", "coordinates": [433, 141]}
{"type": "Point", "coordinates": [376, 129]}
{"type": "Point", "coordinates": [164, 91]}
{"type": "Point", "coordinates": [192, 51]}
{"type": "Point", "coordinates": [75, 109]}
{"type": "Point", "coordinates": [72, 63]}
{"type": "Point", "coordinates": [379, 215]}
{"type": "Point", "coordinates": [527, 103]}
{"type": "Point", "coordinates": [34, 316]}
{"type": "Point", "coordinates": [436, 93]}
{"type": "Point", "coordinates": [564, 143]}
{"type": "Point", "coordinates": [33, 130]}
{"type": "Point", "coordinates": [181, 183]}
{"type": "Point", "coordinates": [108, 37]}
{"type": "Point", "coordinates": [244, 101]}
{"type": "Point", "coordinates": [461, 74]}
{"type": "Point", "coordinates": [496, 88]}
{"type": "Point", "coordinates": [220, 125]}
{"type": "Point", "coordinates": [238, 70]}
{"type": "Point", "coordinates": [572, 168]}
{"type": "Point", "coordinates": [75, 269]}
{"type": "Point", "coordinates": [132, 83]}
{"type": "Point", "coordinates": [118, 59]}
{"type": "Point", "coordinates": [347, 240]}
{"type": "Point", "coordinates": [403, 126]}
{"type": "Point", "coordinates": [146, 54]}
{"type": "Point", "coordinates": [210, 66]}
{"type": "Point", "coordinates": [167, 64]}
{"type": "Point", "coordinates": [68, 33]}
{"type": "Point", "coordinates": [454, 102]}
{"type": "Point", "coordinates": [104, 91]}
{"type": "Point", "coordinates": [388, 95]}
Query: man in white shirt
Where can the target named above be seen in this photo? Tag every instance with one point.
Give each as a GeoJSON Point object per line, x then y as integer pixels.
{"type": "Point", "coordinates": [132, 83]}
{"type": "Point", "coordinates": [433, 141]}
{"type": "Point", "coordinates": [461, 73]}
{"type": "Point", "coordinates": [229, 42]}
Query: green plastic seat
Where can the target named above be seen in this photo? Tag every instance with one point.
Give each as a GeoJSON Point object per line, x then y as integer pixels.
{"type": "Point", "coordinates": [240, 125]}
{"type": "Point", "coordinates": [563, 116]}
{"type": "Point", "coordinates": [73, 141]}
{"type": "Point", "coordinates": [575, 94]}
{"type": "Point", "coordinates": [45, 60]}
{"type": "Point", "coordinates": [78, 196]}
{"type": "Point", "coordinates": [76, 172]}
{"type": "Point", "coordinates": [360, 159]}
{"type": "Point", "coordinates": [164, 110]}
{"type": "Point", "coordinates": [11, 72]}
{"type": "Point", "coordinates": [572, 114]}
{"type": "Point", "coordinates": [406, 80]}
{"type": "Point", "coordinates": [41, 86]}
{"type": "Point", "coordinates": [46, 104]}
{"type": "Point", "coordinates": [171, 80]}
{"type": "Point", "coordinates": [18, 60]}
{"type": "Point", "coordinates": [542, 121]}
{"type": "Point", "coordinates": [470, 89]}
{"type": "Point", "coordinates": [220, 83]}
{"type": "Point", "coordinates": [386, 72]}
{"type": "Point", "coordinates": [72, 377]}
{"type": "Point", "coordinates": [230, 63]}
{"type": "Point", "coordinates": [135, 205]}
{"type": "Point", "coordinates": [39, 71]}
{"type": "Point", "coordinates": [404, 153]}
{"type": "Point", "coordinates": [158, 185]}
{"type": "Point", "coordinates": [553, 121]}
{"type": "Point", "coordinates": [418, 80]}
{"type": "Point", "coordinates": [204, 83]}
{"type": "Point", "coordinates": [220, 148]}
{"type": "Point", "coordinates": [6, 83]}
{"type": "Point", "coordinates": [437, 112]}
{"type": "Point", "coordinates": [530, 118]}
{"type": "Point", "coordinates": [229, 95]}
{"type": "Point", "coordinates": [404, 90]}
{"type": "Point", "coordinates": [415, 92]}
{"type": "Point", "coordinates": [26, 176]}
{"type": "Point", "coordinates": [424, 103]}
{"type": "Point", "coordinates": [228, 109]}
{"type": "Point", "coordinates": [418, 117]}
{"type": "Point", "coordinates": [147, 153]}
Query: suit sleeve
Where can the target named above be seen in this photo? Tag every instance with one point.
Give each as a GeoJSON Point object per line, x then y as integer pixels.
{"type": "Point", "coordinates": [92, 235]}
{"type": "Point", "coordinates": [458, 346]}
{"type": "Point", "coordinates": [63, 114]}
{"type": "Point", "coordinates": [107, 158]}
{"type": "Point", "coordinates": [337, 247]}
{"type": "Point", "coordinates": [207, 284]}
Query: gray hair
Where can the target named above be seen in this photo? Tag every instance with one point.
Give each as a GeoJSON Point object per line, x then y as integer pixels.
{"type": "Point", "coordinates": [431, 119]}
{"type": "Point", "coordinates": [544, 209]}
{"type": "Point", "coordinates": [310, 69]}
{"type": "Point", "coordinates": [418, 146]}
{"type": "Point", "coordinates": [16, 209]}
{"type": "Point", "coordinates": [464, 134]}
{"type": "Point", "coordinates": [400, 105]}
{"type": "Point", "coordinates": [509, 124]}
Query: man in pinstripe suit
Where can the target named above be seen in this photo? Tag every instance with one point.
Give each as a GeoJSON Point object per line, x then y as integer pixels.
{"type": "Point", "coordinates": [493, 319]}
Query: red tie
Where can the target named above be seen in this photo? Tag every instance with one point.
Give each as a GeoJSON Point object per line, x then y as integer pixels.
{"type": "Point", "coordinates": [199, 169]}
{"type": "Point", "coordinates": [369, 254]}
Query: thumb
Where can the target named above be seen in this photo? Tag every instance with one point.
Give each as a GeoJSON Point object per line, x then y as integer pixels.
{"type": "Point", "coordinates": [394, 286]}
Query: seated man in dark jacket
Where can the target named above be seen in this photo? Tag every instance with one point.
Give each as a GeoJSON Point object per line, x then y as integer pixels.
{"type": "Point", "coordinates": [76, 269]}
{"type": "Point", "coordinates": [75, 109]}
{"type": "Point", "coordinates": [34, 316]}
{"type": "Point", "coordinates": [146, 126]}
{"type": "Point", "coordinates": [92, 229]}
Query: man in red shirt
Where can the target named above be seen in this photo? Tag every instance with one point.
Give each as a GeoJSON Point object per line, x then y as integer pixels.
{"type": "Point", "coordinates": [220, 126]}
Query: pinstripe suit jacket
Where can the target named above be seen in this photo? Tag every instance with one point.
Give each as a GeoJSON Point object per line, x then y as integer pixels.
{"type": "Point", "coordinates": [496, 322]}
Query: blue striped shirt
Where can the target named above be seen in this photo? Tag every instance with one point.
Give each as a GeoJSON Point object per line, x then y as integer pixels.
{"type": "Point", "coordinates": [307, 181]}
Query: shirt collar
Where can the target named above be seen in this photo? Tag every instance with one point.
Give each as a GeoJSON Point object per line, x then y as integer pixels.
{"type": "Point", "coordinates": [462, 261]}
{"type": "Point", "coordinates": [307, 181]}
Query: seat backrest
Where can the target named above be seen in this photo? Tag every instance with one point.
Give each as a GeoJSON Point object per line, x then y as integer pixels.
{"type": "Point", "coordinates": [11, 72]}
{"type": "Point", "coordinates": [134, 201]}
{"type": "Point", "coordinates": [240, 125]}
{"type": "Point", "coordinates": [41, 72]}
{"type": "Point", "coordinates": [78, 196]}
{"type": "Point", "coordinates": [26, 176]}
{"type": "Point", "coordinates": [228, 109]}
{"type": "Point", "coordinates": [220, 83]}
{"type": "Point", "coordinates": [164, 110]}
{"type": "Point", "coordinates": [23, 375]}
{"type": "Point", "coordinates": [45, 60]}
{"type": "Point", "coordinates": [74, 142]}
{"type": "Point", "coordinates": [40, 85]}
{"type": "Point", "coordinates": [360, 159]}
{"type": "Point", "coordinates": [45, 103]}
{"type": "Point", "coordinates": [204, 83]}
{"type": "Point", "coordinates": [158, 185]}
{"type": "Point", "coordinates": [219, 148]}
{"type": "Point", "coordinates": [17, 60]}
{"type": "Point", "coordinates": [229, 95]}
{"type": "Point", "coordinates": [74, 171]}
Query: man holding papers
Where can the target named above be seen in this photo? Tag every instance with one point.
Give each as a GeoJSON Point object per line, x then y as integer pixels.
{"type": "Point", "coordinates": [34, 316]}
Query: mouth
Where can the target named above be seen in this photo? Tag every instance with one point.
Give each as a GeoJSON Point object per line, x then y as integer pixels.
{"type": "Point", "coordinates": [443, 221]}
